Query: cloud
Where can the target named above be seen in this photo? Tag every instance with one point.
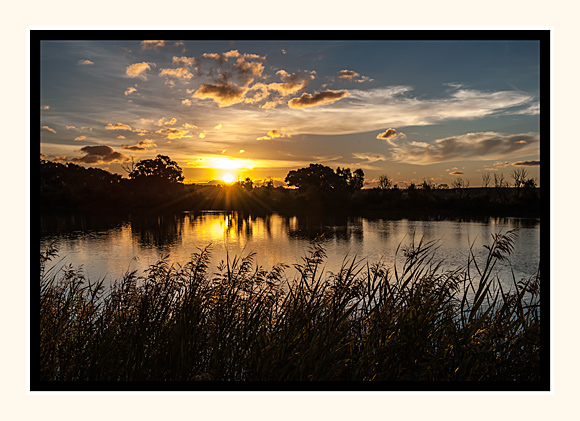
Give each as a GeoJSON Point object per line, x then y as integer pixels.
{"type": "Point", "coordinates": [456, 173]}
{"type": "Point", "coordinates": [318, 99]}
{"type": "Point", "coordinates": [218, 127]}
{"type": "Point", "coordinates": [185, 61]}
{"type": "Point", "coordinates": [143, 145]}
{"type": "Point", "coordinates": [80, 138]}
{"type": "Point", "coordinates": [100, 154]}
{"type": "Point", "coordinates": [347, 74]}
{"type": "Point", "coordinates": [118, 126]}
{"type": "Point", "coordinates": [164, 122]}
{"type": "Point", "coordinates": [244, 69]}
{"type": "Point", "coordinates": [527, 164]}
{"type": "Point", "coordinates": [179, 73]}
{"type": "Point", "coordinates": [387, 134]}
{"type": "Point", "coordinates": [371, 157]}
{"type": "Point", "coordinates": [351, 76]}
{"type": "Point", "coordinates": [224, 95]}
{"type": "Point", "coordinates": [533, 109]}
{"type": "Point", "coordinates": [84, 63]}
{"type": "Point", "coordinates": [48, 129]}
{"type": "Point", "coordinates": [274, 134]}
{"type": "Point", "coordinates": [152, 44]}
{"type": "Point", "coordinates": [45, 107]}
{"type": "Point", "coordinates": [130, 90]}
{"type": "Point", "coordinates": [202, 135]}
{"type": "Point", "coordinates": [173, 133]}
{"type": "Point", "coordinates": [70, 127]}
{"type": "Point", "coordinates": [138, 70]}
{"type": "Point", "coordinates": [186, 102]}
{"type": "Point", "coordinates": [470, 146]}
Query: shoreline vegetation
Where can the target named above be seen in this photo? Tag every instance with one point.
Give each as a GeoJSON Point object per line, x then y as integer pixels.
{"type": "Point", "coordinates": [70, 187]}
{"type": "Point", "coordinates": [413, 322]}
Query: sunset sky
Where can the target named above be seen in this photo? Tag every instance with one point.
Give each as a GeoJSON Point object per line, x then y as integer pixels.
{"type": "Point", "coordinates": [408, 109]}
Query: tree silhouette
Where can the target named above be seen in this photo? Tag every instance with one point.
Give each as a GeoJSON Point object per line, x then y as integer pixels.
{"type": "Point", "coordinates": [315, 178]}
{"type": "Point", "coordinates": [160, 168]}
{"type": "Point", "coordinates": [385, 183]}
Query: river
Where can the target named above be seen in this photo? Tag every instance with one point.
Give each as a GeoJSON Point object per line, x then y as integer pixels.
{"type": "Point", "coordinates": [106, 247]}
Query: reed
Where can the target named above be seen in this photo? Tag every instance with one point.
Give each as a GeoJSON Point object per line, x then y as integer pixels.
{"type": "Point", "coordinates": [367, 322]}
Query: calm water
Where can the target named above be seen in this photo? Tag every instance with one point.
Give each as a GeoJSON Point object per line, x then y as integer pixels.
{"type": "Point", "coordinates": [106, 247]}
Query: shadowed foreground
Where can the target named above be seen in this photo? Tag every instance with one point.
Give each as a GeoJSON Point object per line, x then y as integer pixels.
{"type": "Point", "coordinates": [366, 322]}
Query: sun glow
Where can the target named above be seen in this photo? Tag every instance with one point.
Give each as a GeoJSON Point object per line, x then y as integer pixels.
{"type": "Point", "coordinates": [228, 178]}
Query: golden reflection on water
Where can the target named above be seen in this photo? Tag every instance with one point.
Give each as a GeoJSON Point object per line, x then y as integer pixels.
{"type": "Point", "coordinates": [111, 250]}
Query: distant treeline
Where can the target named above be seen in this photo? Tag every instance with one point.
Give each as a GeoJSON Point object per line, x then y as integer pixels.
{"type": "Point", "coordinates": [316, 189]}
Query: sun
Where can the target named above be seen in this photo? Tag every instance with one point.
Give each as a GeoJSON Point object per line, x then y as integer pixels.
{"type": "Point", "coordinates": [228, 178]}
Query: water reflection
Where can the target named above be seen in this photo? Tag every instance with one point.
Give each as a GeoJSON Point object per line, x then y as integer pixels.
{"type": "Point", "coordinates": [107, 246]}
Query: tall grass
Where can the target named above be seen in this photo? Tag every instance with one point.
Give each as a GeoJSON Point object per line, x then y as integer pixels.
{"type": "Point", "coordinates": [367, 322]}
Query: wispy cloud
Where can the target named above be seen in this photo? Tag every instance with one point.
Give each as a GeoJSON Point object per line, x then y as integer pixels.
{"type": "Point", "coordinates": [370, 157]}
{"type": "Point", "coordinates": [470, 146]}
{"type": "Point", "coordinates": [48, 129]}
{"type": "Point", "coordinates": [84, 63]}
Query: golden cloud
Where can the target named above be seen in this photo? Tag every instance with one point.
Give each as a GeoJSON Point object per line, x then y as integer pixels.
{"type": "Point", "coordinates": [80, 138]}
{"type": "Point", "coordinates": [118, 126]}
{"type": "Point", "coordinates": [273, 134]}
{"type": "Point", "coordinates": [152, 44]}
{"type": "Point", "coordinates": [351, 75]}
{"type": "Point", "coordinates": [224, 95]}
{"type": "Point", "coordinates": [318, 99]}
{"type": "Point", "coordinates": [138, 70]}
{"type": "Point", "coordinates": [84, 63]}
{"type": "Point", "coordinates": [347, 74]}
{"type": "Point", "coordinates": [130, 90]}
{"type": "Point", "coordinates": [185, 61]}
{"type": "Point", "coordinates": [48, 129]}
{"type": "Point", "coordinates": [45, 107]}
{"type": "Point", "coordinates": [179, 73]}
{"type": "Point", "coordinates": [387, 134]}
{"type": "Point", "coordinates": [173, 133]}
{"type": "Point", "coordinates": [143, 145]}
